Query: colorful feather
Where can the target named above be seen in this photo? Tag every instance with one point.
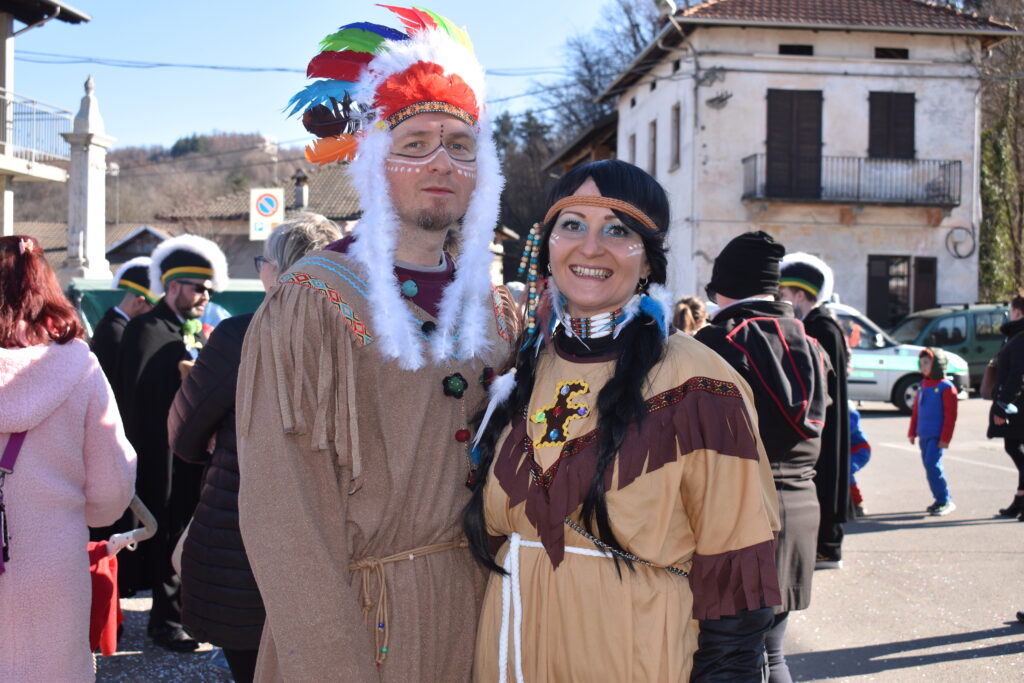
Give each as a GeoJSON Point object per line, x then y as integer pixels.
{"type": "Point", "coordinates": [317, 92]}
{"type": "Point", "coordinates": [454, 32]}
{"type": "Point", "coordinates": [328, 150]}
{"type": "Point", "coordinates": [415, 19]}
{"type": "Point", "coordinates": [360, 37]}
{"type": "Point", "coordinates": [341, 66]}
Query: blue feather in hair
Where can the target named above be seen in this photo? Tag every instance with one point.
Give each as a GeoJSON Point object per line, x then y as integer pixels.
{"type": "Point", "coordinates": [317, 92]}
{"type": "Point", "coordinates": [654, 310]}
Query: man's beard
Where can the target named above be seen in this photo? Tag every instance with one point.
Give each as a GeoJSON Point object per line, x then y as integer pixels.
{"type": "Point", "coordinates": [189, 312]}
{"type": "Point", "coordinates": [435, 221]}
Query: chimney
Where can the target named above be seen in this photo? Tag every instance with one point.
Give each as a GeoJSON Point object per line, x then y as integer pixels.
{"type": "Point", "coordinates": [301, 190]}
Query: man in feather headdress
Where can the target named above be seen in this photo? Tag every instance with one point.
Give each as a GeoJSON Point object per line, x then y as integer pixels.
{"type": "Point", "coordinates": [185, 270]}
{"type": "Point", "coordinates": [363, 367]}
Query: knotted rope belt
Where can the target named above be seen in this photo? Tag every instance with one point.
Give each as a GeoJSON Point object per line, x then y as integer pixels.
{"type": "Point", "coordinates": [370, 567]}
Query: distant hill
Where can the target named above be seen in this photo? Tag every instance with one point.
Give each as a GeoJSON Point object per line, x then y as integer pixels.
{"type": "Point", "coordinates": [154, 181]}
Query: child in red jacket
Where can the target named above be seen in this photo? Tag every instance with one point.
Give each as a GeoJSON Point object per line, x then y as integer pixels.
{"type": "Point", "coordinates": [933, 420]}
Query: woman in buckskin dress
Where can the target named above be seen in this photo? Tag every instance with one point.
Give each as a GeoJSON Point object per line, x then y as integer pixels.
{"type": "Point", "coordinates": [619, 473]}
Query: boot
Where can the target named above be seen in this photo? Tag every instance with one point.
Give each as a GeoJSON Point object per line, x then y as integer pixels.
{"type": "Point", "coordinates": [1015, 508]}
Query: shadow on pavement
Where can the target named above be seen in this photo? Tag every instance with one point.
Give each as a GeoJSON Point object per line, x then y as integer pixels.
{"type": "Point", "coordinates": [874, 659]}
{"type": "Point", "coordinates": [899, 521]}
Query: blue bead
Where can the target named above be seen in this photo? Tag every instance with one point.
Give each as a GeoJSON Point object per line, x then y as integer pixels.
{"type": "Point", "coordinates": [380, 625]}
{"type": "Point", "coordinates": [410, 288]}
{"type": "Point", "coordinates": [553, 434]}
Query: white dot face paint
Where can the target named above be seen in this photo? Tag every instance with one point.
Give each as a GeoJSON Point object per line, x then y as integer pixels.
{"type": "Point", "coordinates": [403, 164]}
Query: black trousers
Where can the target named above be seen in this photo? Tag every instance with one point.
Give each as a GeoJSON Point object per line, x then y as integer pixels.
{"type": "Point", "coordinates": [1015, 449]}
{"type": "Point", "coordinates": [242, 664]}
{"type": "Point", "coordinates": [166, 610]}
{"type": "Point", "coordinates": [830, 537]}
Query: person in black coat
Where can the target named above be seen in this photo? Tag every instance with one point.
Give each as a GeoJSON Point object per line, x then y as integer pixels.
{"type": "Point", "coordinates": [787, 373]}
{"type": "Point", "coordinates": [806, 282]}
{"type": "Point", "coordinates": [133, 279]}
{"type": "Point", "coordinates": [156, 350]}
{"type": "Point", "coordinates": [1003, 421]}
{"type": "Point", "coordinates": [220, 601]}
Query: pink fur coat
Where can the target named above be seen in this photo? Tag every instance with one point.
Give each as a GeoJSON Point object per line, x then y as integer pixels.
{"type": "Point", "coordinates": [76, 468]}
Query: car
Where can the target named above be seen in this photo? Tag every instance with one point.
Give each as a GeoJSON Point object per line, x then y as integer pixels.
{"type": "Point", "coordinates": [971, 331]}
{"type": "Point", "coordinates": [882, 369]}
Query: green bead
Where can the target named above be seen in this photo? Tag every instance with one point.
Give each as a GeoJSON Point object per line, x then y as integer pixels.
{"type": "Point", "coordinates": [383, 649]}
{"type": "Point", "coordinates": [410, 288]}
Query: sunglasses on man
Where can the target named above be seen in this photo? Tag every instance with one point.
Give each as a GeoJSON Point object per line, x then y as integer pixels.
{"type": "Point", "coordinates": [198, 287]}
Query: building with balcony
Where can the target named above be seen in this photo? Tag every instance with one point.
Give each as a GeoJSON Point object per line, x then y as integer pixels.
{"type": "Point", "coordinates": [32, 146]}
{"type": "Point", "coordinates": [849, 130]}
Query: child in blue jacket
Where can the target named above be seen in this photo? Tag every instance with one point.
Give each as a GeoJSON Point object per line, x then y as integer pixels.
{"type": "Point", "coordinates": [933, 420]}
{"type": "Point", "coordinates": [860, 454]}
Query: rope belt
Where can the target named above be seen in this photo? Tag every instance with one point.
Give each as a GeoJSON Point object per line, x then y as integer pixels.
{"type": "Point", "coordinates": [374, 566]}
{"type": "Point", "coordinates": [512, 602]}
{"type": "Point", "coordinates": [512, 599]}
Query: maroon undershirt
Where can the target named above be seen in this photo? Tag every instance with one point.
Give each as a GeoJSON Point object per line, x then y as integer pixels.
{"type": "Point", "coordinates": [431, 284]}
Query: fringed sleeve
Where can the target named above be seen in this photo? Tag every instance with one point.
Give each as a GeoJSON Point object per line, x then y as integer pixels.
{"type": "Point", "coordinates": [296, 465]}
{"type": "Point", "coordinates": [730, 500]}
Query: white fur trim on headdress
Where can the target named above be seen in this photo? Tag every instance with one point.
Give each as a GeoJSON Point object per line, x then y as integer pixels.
{"type": "Point", "coordinates": [197, 245]}
{"type": "Point", "coordinates": [132, 263]}
{"type": "Point", "coordinates": [828, 278]}
{"type": "Point", "coordinates": [464, 312]}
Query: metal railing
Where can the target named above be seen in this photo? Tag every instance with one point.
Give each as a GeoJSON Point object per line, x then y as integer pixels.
{"type": "Point", "coordinates": [31, 130]}
{"type": "Point", "coordinates": [862, 180]}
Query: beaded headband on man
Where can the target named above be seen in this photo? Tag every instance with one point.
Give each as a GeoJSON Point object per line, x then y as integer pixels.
{"type": "Point", "coordinates": [605, 203]}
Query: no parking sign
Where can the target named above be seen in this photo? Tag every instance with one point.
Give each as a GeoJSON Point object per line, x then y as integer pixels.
{"type": "Point", "coordinates": [266, 211]}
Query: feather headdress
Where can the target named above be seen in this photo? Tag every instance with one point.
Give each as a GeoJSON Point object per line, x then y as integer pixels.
{"type": "Point", "coordinates": [361, 81]}
{"type": "Point", "coordinates": [372, 78]}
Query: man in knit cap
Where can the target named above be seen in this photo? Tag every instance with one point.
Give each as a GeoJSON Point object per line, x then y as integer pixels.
{"type": "Point", "coordinates": [133, 279]}
{"type": "Point", "coordinates": [185, 270]}
{"type": "Point", "coordinates": [806, 282]}
{"type": "Point", "coordinates": [760, 337]}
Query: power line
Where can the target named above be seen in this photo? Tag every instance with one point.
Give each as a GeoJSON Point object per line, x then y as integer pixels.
{"type": "Point", "coordinates": [35, 57]}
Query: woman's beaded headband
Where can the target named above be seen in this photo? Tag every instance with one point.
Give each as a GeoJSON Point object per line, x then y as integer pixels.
{"type": "Point", "coordinates": [605, 203]}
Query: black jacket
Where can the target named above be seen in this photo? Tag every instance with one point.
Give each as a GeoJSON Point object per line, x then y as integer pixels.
{"type": "Point", "coordinates": [106, 339]}
{"type": "Point", "coordinates": [832, 473]}
{"type": "Point", "coordinates": [148, 378]}
{"type": "Point", "coordinates": [785, 370]}
{"type": "Point", "coordinates": [220, 602]}
{"type": "Point", "coordinates": [1009, 382]}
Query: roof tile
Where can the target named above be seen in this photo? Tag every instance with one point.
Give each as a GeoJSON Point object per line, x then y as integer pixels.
{"type": "Point", "coordinates": [908, 14]}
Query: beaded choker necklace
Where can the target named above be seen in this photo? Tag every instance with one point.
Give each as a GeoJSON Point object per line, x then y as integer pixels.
{"type": "Point", "coordinates": [594, 327]}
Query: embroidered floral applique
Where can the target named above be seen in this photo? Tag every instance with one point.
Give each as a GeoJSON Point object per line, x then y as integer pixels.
{"type": "Point", "coordinates": [558, 415]}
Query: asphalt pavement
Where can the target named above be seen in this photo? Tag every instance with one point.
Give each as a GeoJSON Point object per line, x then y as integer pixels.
{"type": "Point", "coordinates": [919, 598]}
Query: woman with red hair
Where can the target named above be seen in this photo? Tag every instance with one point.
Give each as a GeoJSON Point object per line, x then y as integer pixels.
{"type": "Point", "coordinates": [66, 465]}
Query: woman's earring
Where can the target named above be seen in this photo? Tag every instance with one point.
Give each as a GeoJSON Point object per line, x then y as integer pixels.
{"type": "Point", "coordinates": [549, 269]}
{"type": "Point", "coordinates": [641, 285]}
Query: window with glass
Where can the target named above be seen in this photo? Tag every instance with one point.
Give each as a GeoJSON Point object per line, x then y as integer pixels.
{"type": "Point", "coordinates": [986, 325]}
{"type": "Point", "coordinates": [948, 331]}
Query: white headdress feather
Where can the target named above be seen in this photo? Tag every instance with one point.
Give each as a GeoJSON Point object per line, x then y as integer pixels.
{"type": "Point", "coordinates": [197, 245]}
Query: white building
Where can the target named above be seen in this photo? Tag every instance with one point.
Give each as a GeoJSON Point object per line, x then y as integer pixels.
{"type": "Point", "coordinates": [846, 129]}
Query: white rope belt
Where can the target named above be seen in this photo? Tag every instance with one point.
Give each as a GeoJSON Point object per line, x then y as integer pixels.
{"type": "Point", "coordinates": [512, 602]}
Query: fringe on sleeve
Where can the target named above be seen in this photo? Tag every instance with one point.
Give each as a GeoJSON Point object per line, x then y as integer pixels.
{"type": "Point", "coordinates": [296, 352]}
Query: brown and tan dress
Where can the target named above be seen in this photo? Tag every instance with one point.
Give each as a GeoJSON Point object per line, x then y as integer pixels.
{"type": "Point", "coordinates": [691, 489]}
{"type": "Point", "coordinates": [348, 463]}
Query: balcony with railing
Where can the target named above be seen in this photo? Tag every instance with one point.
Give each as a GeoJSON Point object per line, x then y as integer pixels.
{"type": "Point", "coordinates": [856, 180]}
{"type": "Point", "coordinates": [30, 135]}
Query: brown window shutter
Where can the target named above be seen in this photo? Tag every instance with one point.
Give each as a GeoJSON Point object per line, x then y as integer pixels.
{"type": "Point", "coordinates": [902, 126]}
{"type": "Point", "coordinates": [878, 124]}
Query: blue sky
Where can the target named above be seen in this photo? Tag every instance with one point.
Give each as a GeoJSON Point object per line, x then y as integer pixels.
{"type": "Point", "coordinates": [158, 106]}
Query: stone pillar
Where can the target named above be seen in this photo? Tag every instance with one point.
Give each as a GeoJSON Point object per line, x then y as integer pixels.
{"type": "Point", "coordinates": [87, 202]}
